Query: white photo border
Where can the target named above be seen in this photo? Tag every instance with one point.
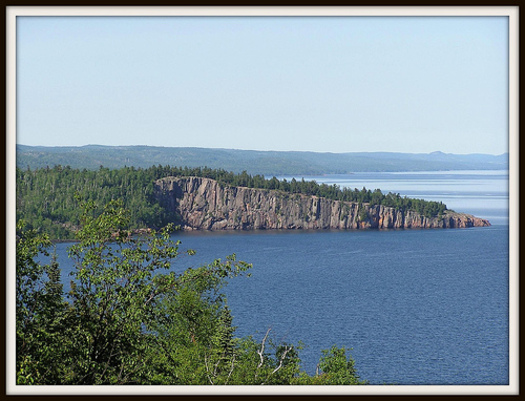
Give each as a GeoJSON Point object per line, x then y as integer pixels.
{"type": "Point", "coordinates": [512, 12]}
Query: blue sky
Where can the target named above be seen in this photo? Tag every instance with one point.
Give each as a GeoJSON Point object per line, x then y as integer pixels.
{"type": "Point", "coordinates": [327, 84]}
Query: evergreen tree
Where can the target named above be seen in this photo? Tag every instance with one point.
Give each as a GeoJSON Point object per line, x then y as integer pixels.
{"type": "Point", "coordinates": [127, 322]}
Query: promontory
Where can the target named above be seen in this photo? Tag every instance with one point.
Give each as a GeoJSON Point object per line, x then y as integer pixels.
{"type": "Point", "coordinates": [204, 204]}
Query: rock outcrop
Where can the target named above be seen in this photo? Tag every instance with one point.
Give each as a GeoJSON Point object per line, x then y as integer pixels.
{"type": "Point", "coordinates": [203, 204]}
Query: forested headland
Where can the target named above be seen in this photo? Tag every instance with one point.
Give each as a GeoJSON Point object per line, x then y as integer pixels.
{"type": "Point", "coordinates": [128, 318]}
{"type": "Point", "coordinates": [46, 197]}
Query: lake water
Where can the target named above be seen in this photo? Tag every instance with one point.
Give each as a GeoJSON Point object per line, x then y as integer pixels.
{"type": "Point", "coordinates": [482, 193]}
{"type": "Point", "coordinates": [414, 306]}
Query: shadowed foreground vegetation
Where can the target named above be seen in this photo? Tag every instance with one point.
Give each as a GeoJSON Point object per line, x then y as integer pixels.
{"type": "Point", "coordinates": [128, 319]}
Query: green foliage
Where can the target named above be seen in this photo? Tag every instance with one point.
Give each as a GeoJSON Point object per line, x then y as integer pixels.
{"type": "Point", "coordinates": [39, 308]}
{"type": "Point", "coordinates": [334, 368]}
{"type": "Point", "coordinates": [46, 198]}
{"type": "Point", "coordinates": [129, 319]}
{"type": "Point", "coordinates": [114, 288]}
{"type": "Point", "coordinates": [338, 368]}
{"type": "Point", "coordinates": [363, 213]}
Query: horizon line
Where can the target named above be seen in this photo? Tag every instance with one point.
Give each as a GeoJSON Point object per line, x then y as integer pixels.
{"type": "Point", "coordinates": [258, 150]}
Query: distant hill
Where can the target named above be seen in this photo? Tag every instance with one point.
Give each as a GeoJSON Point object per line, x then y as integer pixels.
{"type": "Point", "coordinates": [267, 163]}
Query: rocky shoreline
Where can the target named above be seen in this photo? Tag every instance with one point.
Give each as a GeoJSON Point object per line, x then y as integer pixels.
{"type": "Point", "coordinates": [203, 204]}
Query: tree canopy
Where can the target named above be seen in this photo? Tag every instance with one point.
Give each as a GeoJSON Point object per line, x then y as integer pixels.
{"type": "Point", "coordinates": [130, 319]}
{"type": "Point", "coordinates": [46, 197]}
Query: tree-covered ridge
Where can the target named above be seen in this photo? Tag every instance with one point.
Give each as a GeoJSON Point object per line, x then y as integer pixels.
{"type": "Point", "coordinates": [254, 162]}
{"type": "Point", "coordinates": [131, 320]}
{"type": "Point", "coordinates": [45, 198]}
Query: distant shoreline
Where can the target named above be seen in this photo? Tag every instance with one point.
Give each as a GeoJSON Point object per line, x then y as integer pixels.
{"type": "Point", "coordinates": [267, 163]}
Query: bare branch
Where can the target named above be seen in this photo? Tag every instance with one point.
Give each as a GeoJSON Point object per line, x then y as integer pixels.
{"type": "Point", "coordinates": [216, 367]}
{"type": "Point", "coordinates": [207, 369]}
{"type": "Point", "coordinates": [261, 351]}
{"type": "Point", "coordinates": [150, 298]}
{"type": "Point", "coordinates": [231, 370]}
{"type": "Point", "coordinates": [281, 360]}
{"type": "Point", "coordinates": [286, 350]}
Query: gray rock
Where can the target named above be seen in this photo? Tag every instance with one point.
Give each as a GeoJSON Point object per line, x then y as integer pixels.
{"type": "Point", "coordinates": [204, 204]}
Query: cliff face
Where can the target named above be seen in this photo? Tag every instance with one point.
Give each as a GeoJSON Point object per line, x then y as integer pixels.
{"type": "Point", "coordinates": [204, 205]}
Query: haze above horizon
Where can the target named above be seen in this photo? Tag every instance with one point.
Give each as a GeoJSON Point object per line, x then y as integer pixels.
{"type": "Point", "coordinates": [322, 84]}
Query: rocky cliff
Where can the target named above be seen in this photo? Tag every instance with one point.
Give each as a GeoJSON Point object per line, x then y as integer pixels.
{"type": "Point", "coordinates": [203, 204]}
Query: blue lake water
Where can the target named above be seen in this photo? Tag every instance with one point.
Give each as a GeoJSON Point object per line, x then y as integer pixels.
{"type": "Point", "coordinates": [414, 306]}
{"type": "Point", "coordinates": [482, 193]}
